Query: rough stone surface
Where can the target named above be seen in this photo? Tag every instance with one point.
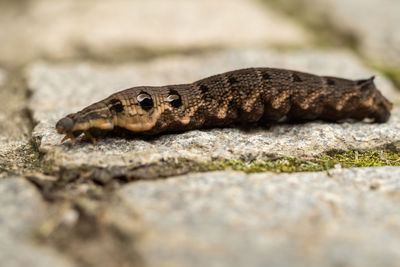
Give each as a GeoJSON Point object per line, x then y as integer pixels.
{"type": "Point", "coordinates": [349, 217]}
{"type": "Point", "coordinates": [59, 90]}
{"type": "Point", "coordinates": [125, 28]}
{"type": "Point", "coordinates": [22, 209]}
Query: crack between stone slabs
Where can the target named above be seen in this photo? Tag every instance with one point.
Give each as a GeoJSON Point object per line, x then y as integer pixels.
{"type": "Point", "coordinates": [100, 181]}
{"type": "Point", "coordinates": [105, 180]}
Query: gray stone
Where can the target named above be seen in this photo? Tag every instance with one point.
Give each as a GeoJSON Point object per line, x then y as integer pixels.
{"type": "Point", "coordinates": [59, 90]}
{"type": "Point", "coordinates": [125, 28]}
{"type": "Point", "coordinates": [19, 199]}
{"type": "Point", "coordinates": [347, 217]}
{"type": "Point", "coordinates": [22, 210]}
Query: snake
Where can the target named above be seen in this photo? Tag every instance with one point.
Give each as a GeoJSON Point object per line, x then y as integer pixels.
{"type": "Point", "coordinates": [251, 96]}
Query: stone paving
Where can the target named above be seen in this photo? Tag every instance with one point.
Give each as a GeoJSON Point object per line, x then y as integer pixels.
{"type": "Point", "coordinates": [65, 55]}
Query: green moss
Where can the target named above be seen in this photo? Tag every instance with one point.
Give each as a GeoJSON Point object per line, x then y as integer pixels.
{"type": "Point", "coordinates": [364, 159]}
{"type": "Point", "coordinates": [344, 160]}
{"type": "Point", "coordinates": [280, 165]}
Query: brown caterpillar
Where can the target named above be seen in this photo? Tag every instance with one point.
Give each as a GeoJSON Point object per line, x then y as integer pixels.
{"type": "Point", "coordinates": [245, 96]}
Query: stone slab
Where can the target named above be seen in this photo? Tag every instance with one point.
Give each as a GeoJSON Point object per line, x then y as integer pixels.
{"type": "Point", "coordinates": [62, 89]}
{"type": "Point", "coordinates": [22, 210]}
{"type": "Point", "coordinates": [347, 217]}
{"type": "Point", "coordinates": [125, 28]}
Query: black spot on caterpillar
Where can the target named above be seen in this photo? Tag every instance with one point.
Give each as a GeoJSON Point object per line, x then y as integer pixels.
{"type": "Point", "coordinates": [247, 95]}
{"type": "Point", "coordinates": [265, 76]}
{"type": "Point", "coordinates": [296, 78]}
{"type": "Point", "coordinates": [116, 105]}
{"type": "Point", "coordinates": [232, 80]}
{"type": "Point", "coordinates": [330, 82]}
{"type": "Point", "coordinates": [204, 89]}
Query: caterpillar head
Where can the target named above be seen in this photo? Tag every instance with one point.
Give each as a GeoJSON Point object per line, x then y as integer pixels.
{"type": "Point", "coordinates": [91, 119]}
{"type": "Point", "coordinates": [65, 125]}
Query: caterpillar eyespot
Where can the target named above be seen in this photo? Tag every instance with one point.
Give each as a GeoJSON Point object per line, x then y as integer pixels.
{"type": "Point", "coordinates": [174, 99]}
{"type": "Point", "coordinates": [145, 101]}
{"type": "Point", "coordinates": [143, 96]}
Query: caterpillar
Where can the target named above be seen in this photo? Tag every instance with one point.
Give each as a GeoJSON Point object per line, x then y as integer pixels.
{"type": "Point", "coordinates": [245, 96]}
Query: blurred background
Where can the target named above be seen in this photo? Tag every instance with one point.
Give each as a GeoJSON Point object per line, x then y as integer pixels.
{"type": "Point", "coordinates": [126, 30]}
